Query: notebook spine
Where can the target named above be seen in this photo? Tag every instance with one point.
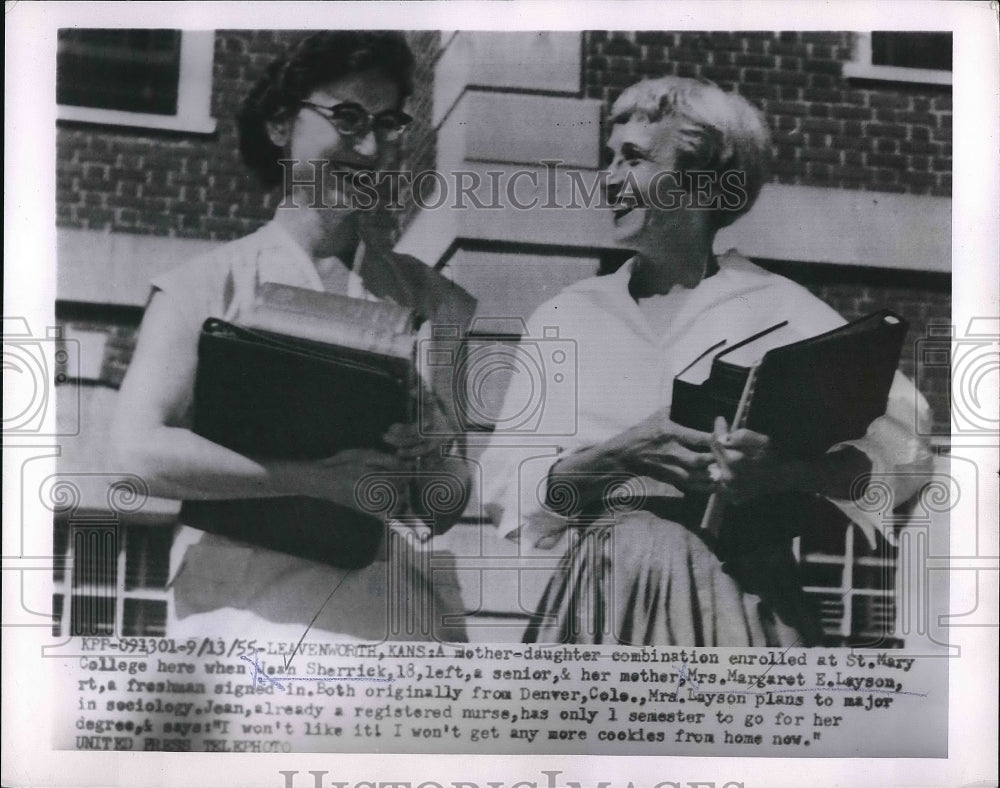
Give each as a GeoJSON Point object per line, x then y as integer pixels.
{"type": "Point", "coordinates": [743, 408]}
{"type": "Point", "coordinates": [711, 521]}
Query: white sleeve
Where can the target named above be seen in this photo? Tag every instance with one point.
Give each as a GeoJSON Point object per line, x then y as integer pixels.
{"type": "Point", "coordinates": [515, 466]}
{"type": "Point", "coordinates": [901, 460]}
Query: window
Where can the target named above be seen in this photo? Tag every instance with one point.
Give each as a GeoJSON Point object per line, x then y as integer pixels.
{"type": "Point", "coordinates": [853, 588]}
{"type": "Point", "coordinates": [902, 57]}
{"type": "Point", "coordinates": [157, 79]}
{"type": "Point", "coordinates": [118, 581]}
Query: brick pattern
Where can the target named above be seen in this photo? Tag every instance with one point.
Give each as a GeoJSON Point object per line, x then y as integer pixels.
{"type": "Point", "coordinates": [183, 185]}
{"type": "Point", "coordinates": [827, 130]}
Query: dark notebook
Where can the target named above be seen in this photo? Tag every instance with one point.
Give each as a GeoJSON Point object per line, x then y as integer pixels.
{"type": "Point", "coordinates": [805, 395]}
{"type": "Point", "coordinates": [274, 395]}
{"type": "Point", "coordinates": [269, 395]}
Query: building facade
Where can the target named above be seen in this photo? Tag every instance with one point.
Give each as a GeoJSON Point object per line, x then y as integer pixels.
{"type": "Point", "coordinates": [857, 209]}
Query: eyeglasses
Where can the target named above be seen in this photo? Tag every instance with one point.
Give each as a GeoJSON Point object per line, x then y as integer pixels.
{"type": "Point", "coordinates": [353, 120]}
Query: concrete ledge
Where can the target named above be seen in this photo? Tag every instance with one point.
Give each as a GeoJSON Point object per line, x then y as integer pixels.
{"type": "Point", "coordinates": [435, 231]}
{"type": "Point", "coordinates": [521, 129]}
{"type": "Point", "coordinates": [512, 285]}
{"type": "Point", "coordinates": [516, 60]}
{"type": "Point", "coordinates": [115, 268]}
{"type": "Point", "coordinates": [876, 229]}
{"type": "Point", "coordinates": [792, 223]}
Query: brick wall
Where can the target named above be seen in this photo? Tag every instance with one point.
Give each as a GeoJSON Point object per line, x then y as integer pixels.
{"type": "Point", "coordinates": [184, 185]}
{"type": "Point", "coordinates": [827, 130]}
{"type": "Point", "coordinates": [191, 185]}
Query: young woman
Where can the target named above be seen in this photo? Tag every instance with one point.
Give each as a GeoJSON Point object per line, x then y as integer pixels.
{"type": "Point", "coordinates": [329, 109]}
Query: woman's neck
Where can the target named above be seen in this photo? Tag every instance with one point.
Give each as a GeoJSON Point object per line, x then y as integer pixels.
{"type": "Point", "coordinates": [682, 260]}
{"type": "Point", "coordinates": [322, 232]}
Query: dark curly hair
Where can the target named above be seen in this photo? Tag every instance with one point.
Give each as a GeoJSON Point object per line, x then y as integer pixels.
{"type": "Point", "coordinates": [318, 60]}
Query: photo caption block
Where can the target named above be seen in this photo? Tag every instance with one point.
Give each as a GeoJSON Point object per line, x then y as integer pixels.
{"type": "Point", "coordinates": [208, 695]}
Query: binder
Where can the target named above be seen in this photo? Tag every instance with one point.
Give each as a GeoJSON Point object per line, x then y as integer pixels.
{"type": "Point", "coordinates": [806, 395]}
{"type": "Point", "coordinates": [277, 396]}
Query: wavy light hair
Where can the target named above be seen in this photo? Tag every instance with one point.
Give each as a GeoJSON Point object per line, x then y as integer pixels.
{"type": "Point", "coordinates": [712, 130]}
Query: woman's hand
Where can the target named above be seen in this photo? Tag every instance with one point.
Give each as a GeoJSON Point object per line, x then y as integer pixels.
{"type": "Point", "coordinates": [419, 442]}
{"type": "Point", "coordinates": [410, 444]}
{"type": "Point", "coordinates": [747, 465]}
{"type": "Point", "coordinates": [753, 467]}
{"type": "Point", "coordinates": [663, 450]}
{"type": "Point", "coordinates": [439, 480]}
{"type": "Point", "coordinates": [655, 447]}
{"type": "Point", "coordinates": [336, 478]}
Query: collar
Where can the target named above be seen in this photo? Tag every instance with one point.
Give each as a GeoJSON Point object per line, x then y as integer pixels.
{"type": "Point", "coordinates": [276, 237]}
{"type": "Point", "coordinates": [736, 276]}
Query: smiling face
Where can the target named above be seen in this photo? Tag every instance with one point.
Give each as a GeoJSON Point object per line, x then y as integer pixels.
{"type": "Point", "coordinates": [309, 136]}
{"type": "Point", "coordinates": [643, 155]}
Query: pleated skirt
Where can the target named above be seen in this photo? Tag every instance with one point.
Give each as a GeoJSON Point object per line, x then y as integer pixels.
{"type": "Point", "coordinates": [642, 580]}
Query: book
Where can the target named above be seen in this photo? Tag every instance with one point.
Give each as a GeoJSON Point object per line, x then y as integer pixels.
{"type": "Point", "coordinates": [806, 395]}
{"type": "Point", "coordinates": [304, 375]}
{"type": "Point", "coordinates": [380, 327]}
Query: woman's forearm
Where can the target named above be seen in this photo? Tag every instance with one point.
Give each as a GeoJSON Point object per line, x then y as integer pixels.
{"type": "Point", "coordinates": [656, 448]}
{"type": "Point", "coordinates": [580, 479]}
{"type": "Point", "coordinates": [176, 463]}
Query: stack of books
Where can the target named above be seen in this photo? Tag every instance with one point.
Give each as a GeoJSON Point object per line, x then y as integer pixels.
{"type": "Point", "coordinates": [806, 396]}
{"type": "Point", "coordinates": [304, 375]}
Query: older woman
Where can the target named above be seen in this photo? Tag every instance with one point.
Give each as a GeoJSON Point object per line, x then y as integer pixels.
{"type": "Point", "coordinates": [685, 160]}
{"type": "Point", "coordinates": [329, 109]}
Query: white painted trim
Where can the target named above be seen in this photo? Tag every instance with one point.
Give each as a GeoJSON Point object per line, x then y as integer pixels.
{"type": "Point", "coordinates": [861, 67]}
{"type": "Point", "coordinates": [194, 94]}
